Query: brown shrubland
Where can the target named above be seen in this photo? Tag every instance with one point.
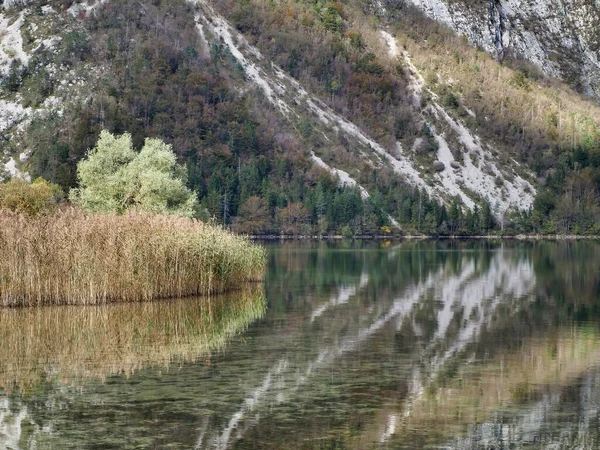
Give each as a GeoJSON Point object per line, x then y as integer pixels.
{"type": "Point", "coordinates": [71, 257]}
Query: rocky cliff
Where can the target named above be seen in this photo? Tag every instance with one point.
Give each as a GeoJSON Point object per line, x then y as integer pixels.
{"type": "Point", "coordinates": [561, 37]}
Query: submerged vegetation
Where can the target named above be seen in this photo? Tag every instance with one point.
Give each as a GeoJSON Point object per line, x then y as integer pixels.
{"type": "Point", "coordinates": [71, 257]}
{"type": "Point", "coordinates": [72, 343]}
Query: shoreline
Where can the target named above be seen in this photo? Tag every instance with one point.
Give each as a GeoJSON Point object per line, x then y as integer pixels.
{"type": "Point", "coordinates": [520, 237]}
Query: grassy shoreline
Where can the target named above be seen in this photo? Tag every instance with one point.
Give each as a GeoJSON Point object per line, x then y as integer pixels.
{"type": "Point", "coordinates": [71, 257]}
{"type": "Point", "coordinates": [533, 237]}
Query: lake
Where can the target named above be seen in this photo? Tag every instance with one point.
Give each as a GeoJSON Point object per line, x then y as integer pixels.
{"type": "Point", "coordinates": [347, 345]}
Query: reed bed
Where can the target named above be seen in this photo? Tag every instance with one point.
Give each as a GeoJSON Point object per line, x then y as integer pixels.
{"type": "Point", "coordinates": [71, 257]}
{"type": "Point", "coordinates": [69, 344]}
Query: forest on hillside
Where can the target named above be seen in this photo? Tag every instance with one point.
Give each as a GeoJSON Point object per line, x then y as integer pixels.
{"type": "Point", "coordinates": [251, 168]}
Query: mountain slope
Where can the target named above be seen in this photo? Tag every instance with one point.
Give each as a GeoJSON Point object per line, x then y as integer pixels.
{"type": "Point", "coordinates": [463, 179]}
{"type": "Point", "coordinates": [296, 117]}
{"type": "Point", "coordinates": [561, 38]}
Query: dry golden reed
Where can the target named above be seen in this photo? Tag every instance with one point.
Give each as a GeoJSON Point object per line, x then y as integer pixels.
{"type": "Point", "coordinates": [76, 258]}
{"type": "Point", "coordinates": [71, 343]}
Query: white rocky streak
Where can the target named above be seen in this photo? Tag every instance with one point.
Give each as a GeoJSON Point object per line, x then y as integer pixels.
{"type": "Point", "coordinates": [448, 177]}
{"type": "Point", "coordinates": [287, 95]}
{"type": "Point", "coordinates": [11, 113]}
{"type": "Point", "coordinates": [344, 177]}
{"type": "Point", "coordinates": [11, 42]}
{"type": "Point", "coordinates": [392, 45]}
{"type": "Point", "coordinates": [13, 170]}
{"type": "Point", "coordinates": [47, 9]}
{"type": "Point", "coordinates": [272, 90]}
{"type": "Point", "coordinates": [203, 39]}
{"type": "Point", "coordinates": [399, 163]}
{"type": "Point", "coordinates": [515, 193]}
{"type": "Point", "coordinates": [469, 112]}
{"type": "Point", "coordinates": [84, 7]}
{"type": "Point", "coordinates": [49, 43]}
{"type": "Point", "coordinates": [11, 167]}
{"type": "Point", "coordinates": [416, 82]}
{"type": "Point", "coordinates": [14, 3]}
{"type": "Point", "coordinates": [290, 98]}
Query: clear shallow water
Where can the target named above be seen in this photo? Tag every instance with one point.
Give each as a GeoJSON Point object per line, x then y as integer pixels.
{"type": "Point", "coordinates": [454, 345]}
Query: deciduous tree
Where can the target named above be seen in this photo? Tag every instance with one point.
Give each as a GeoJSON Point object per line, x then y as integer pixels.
{"type": "Point", "coordinates": [114, 178]}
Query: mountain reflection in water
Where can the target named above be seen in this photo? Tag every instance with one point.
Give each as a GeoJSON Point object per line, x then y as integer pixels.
{"type": "Point", "coordinates": [412, 345]}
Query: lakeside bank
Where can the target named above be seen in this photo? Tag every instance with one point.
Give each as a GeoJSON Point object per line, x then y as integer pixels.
{"type": "Point", "coordinates": [424, 237]}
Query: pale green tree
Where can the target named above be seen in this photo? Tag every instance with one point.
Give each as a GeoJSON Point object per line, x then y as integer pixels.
{"type": "Point", "coordinates": [114, 178]}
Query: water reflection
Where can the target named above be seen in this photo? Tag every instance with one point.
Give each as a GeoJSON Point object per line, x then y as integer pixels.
{"type": "Point", "coordinates": [567, 418]}
{"type": "Point", "coordinates": [505, 400]}
{"type": "Point", "coordinates": [417, 345]}
{"type": "Point", "coordinates": [71, 344]}
{"type": "Point", "coordinates": [446, 309]}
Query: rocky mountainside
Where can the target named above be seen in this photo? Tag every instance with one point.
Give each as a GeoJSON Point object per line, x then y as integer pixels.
{"type": "Point", "coordinates": [560, 37]}
{"type": "Point", "coordinates": [307, 117]}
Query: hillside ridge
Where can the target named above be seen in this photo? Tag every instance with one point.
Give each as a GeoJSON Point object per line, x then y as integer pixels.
{"type": "Point", "coordinates": [302, 117]}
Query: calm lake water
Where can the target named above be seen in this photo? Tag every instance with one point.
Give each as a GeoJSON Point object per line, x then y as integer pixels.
{"type": "Point", "coordinates": [445, 345]}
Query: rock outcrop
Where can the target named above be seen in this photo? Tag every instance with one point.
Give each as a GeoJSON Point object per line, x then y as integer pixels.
{"type": "Point", "coordinates": [561, 37]}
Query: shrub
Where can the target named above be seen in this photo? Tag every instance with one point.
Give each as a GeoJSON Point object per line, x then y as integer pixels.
{"type": "Point", "coordinates": [520, 80]}
{"type": "Point", "coordinates": [356, 40]}
{"type": "Point", "coordinates": [39, 197]}
{"type": "Point", "coordinates": [77, 44]}
{"type": "Point", "coordinates": [450, 100]}
{"type": "Point", "coordinates": [14, 79]}
{"type": "Point", "coordinates": [37, 88]}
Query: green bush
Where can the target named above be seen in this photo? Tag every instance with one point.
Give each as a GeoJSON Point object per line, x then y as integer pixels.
{"type": "Point", "coordinates": [114, 178]}
{"type": "Point", "coordinates": [37, 88]}
{"type": "Point", "coordinates": [77, 45]}
{"type": "Point", "coordinates": [37, 198]}
{"type": "Point", "coordinates": [450, 100]}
